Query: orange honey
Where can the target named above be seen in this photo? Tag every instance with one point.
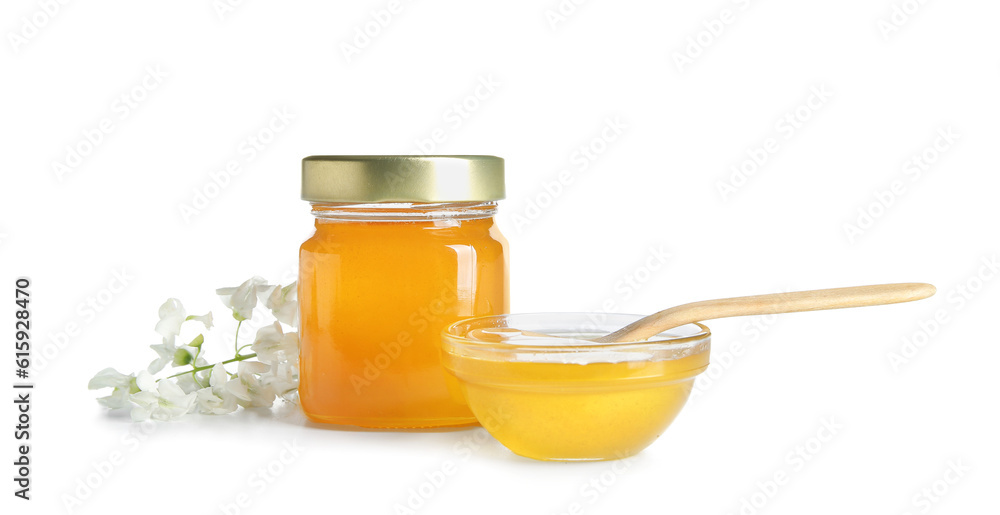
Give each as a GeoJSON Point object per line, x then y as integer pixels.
{"type": "Point", "coordinates": [377, 284]}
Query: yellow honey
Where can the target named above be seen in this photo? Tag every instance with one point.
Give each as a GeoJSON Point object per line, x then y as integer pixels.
{"type": "Point", "coordinates": [583, 405]}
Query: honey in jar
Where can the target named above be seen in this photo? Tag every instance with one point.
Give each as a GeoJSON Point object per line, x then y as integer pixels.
{"type": "Point", "coordinates": [403, 247]}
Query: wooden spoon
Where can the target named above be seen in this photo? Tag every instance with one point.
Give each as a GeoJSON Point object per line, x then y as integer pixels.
{"type": "Point", "coordinates": [813, 300]}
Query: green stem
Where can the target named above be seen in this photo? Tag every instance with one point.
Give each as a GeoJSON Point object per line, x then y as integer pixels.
{"type": "Point", "coordinates": [206, 367]}
{"type": "Point", "coordinates": [236, 340]}
{"type": "Point", "coordinates": [194, 371]}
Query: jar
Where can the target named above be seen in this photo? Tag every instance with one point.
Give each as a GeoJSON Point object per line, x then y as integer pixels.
{"type": "Point", "coordinates": [404, 246]}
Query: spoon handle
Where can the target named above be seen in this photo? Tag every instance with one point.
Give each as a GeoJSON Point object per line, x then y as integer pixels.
{"type": "Point", "coordinates": [813, 300]}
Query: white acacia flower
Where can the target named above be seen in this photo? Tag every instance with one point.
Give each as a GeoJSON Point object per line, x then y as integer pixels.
{"type": "Point", "coordinates": [205, 319]}
{"type": "Point", "coordinates": [110, 378]}
{"type": "Point", "coordinates": [215, 398]}
{"type": "Point", "coordinates": [284, 304]}
{"type": "Point", "coordinates": [272, 345]}
{"type": "Point", "coordinates": [243, 298]}
{"type": "Point", "coordinates": [283, 378]}
{"type": "Point", "coordinates": [162, 400]}
{"type": "Point", "coordinates": [246, 386]}
{"type": "Point", "coordinates": [124, 385]}
{"type": "Point", "coordinates": [187, 382]}
{"type": "Point", "coordinates": [165, 352]}
{"type": "Point", "coordinates": [274, 373]}
{"type": "Point", "coordinates": [172, 315]}
{"type": "Point", "coordinates": [119, 399]}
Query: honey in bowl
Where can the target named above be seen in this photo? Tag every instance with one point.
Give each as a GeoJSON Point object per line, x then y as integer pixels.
{"type": "Point", "coordinates": [562, 398]}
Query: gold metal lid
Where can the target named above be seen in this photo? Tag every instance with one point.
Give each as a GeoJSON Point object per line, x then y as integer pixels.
{"type": "Point", "coordinates": [402, 178]}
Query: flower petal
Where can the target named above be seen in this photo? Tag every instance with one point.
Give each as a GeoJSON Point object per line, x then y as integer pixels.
{"type": "Point", "coordinates": [118, 399]}
{"type": "Point", "coordinates": [172, 315]}
{"type": "Point", "coordinates": [205, 319]}
{"type": "Point", "coordinates": [140, 413]}
{"type": "Point", "coordinates": [284, 305]}
{"type": "Point", "coordinates": [109, 378]}
{"type": "Point", "coordinates": [145, 381]}
{"type": "Point", "coordinates": [169, 390]}
{"type": "Point", "coordinates": [243, 299]}
{"type": "Point", "coordinates": [219, 376]}
{"type": "Point", "coordinates": [172, 307]}
{"type": "Point", "coordinates": [248, 368]}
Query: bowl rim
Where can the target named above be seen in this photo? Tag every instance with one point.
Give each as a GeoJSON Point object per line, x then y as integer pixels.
{"type": "Point", "coordinates": [658, 344]}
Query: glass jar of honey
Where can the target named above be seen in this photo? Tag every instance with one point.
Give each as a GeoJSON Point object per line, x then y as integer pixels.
{"type": "Point", "coordinates": [404, 246]}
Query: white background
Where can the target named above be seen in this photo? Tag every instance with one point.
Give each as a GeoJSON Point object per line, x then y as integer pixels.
{"type": "Point", "coordinates": [892, 85]}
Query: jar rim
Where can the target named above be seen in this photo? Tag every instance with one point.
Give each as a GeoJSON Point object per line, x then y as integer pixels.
{"type": "Point", "coordinates": [403, 211]}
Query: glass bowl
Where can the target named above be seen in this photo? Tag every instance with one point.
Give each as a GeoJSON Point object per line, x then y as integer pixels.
{"type": "Point", "coordinates": [556, 396]}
